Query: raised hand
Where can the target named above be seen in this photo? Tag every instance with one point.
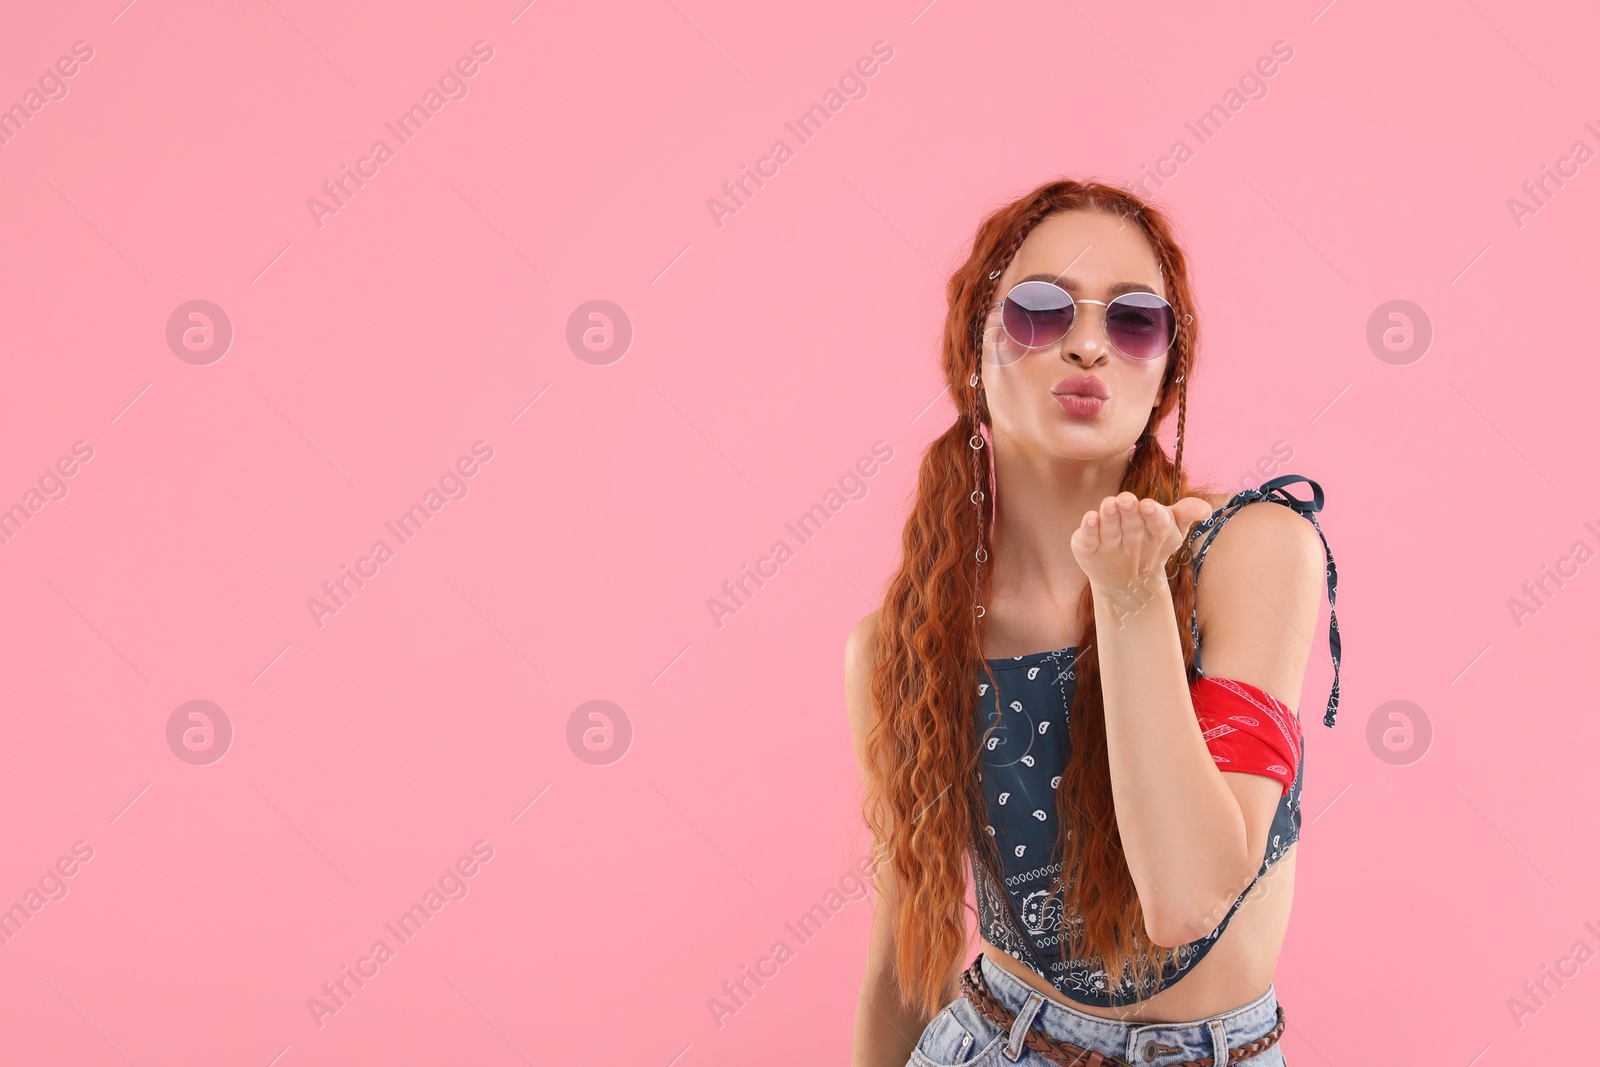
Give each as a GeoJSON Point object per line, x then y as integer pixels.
{"type": "Point", "coordinates": [1124, 545]}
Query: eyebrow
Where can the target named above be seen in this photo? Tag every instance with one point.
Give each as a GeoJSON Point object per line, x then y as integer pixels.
{"type": "Point", "coordinates": [1069, 284]}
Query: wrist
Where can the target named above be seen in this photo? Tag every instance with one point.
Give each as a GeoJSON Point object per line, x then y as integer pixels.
{"type": "Point", "coordinates": [1131, 596]}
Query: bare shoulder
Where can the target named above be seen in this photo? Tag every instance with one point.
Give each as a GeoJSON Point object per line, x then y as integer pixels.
{"type": "Point", "coordinates": [1267, 532]}
{"type": "Point", "coordinates": [860, 657]}
{"type": "Point", "coordinates": [862, 638]}
{"type": "Point", "coordinates": [1259, 594]}
{"type": "Point", "coordinates": [1261, 529]}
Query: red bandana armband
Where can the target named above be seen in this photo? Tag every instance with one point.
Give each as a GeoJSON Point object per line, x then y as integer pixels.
{"type": "Point", "coordinates": [1248, 730]}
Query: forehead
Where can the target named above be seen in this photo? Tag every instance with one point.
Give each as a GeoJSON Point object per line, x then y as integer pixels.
{"type": "Point", "coordinates": [1099, 250]}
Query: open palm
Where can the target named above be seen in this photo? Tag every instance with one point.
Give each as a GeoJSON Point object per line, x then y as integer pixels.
{"type": "Point", "coordinates": [1128, 540]}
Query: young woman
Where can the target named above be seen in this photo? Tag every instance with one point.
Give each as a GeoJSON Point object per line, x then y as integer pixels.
{"type": "Point", "coordinates": [1029, 695]}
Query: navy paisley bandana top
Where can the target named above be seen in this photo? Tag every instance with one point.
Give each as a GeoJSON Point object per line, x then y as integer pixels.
{"type": "Point", "coordinates": [1021, 761]}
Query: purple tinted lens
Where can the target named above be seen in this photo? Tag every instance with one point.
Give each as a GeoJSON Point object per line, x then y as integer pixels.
{"type": "Point", "coordinates": [1037, 314]}
{"type": "Point", "coordinates": [1141, 325]}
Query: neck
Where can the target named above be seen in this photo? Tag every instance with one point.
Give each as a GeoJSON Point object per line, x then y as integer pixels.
{"type": "Point", "coordinates": [1040, 501]}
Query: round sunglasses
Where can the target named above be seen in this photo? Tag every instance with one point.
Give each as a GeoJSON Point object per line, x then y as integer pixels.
{"type": "Point", "coordinates": [1038, 314]}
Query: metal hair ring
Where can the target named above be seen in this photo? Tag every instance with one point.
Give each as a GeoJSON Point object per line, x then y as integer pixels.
{"type": "Point", "coordinates": [975, 382]}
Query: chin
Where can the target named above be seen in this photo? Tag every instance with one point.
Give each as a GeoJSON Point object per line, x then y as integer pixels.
{"type": "Point", "coordinates": [1081, 443]}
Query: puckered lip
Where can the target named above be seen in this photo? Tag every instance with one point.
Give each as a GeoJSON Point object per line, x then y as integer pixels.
{"type": "Point", "coordinates": [1081, 385]}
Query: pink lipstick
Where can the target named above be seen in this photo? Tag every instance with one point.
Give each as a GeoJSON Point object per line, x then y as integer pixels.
{"type": "Point", "coordinates": [1081, 395]}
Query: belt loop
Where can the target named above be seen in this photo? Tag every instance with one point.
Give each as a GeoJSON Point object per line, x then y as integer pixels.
{"type": "Point", "coordinates": [1019, 1028]}
{"type": "Point", "coordinates": [1219, 1042]}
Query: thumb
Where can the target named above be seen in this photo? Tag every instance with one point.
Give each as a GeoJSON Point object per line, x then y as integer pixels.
{"type": "Point", "coordinates": [1190, 510]}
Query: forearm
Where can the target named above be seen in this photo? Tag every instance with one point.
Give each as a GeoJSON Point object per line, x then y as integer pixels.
{"type": "Point", "coordinates": [1181, 827]}
{"type": "Point", "coordinates": [886, 1030]}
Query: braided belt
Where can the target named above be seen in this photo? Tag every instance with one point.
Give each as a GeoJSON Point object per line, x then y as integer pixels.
{"type": "Point", "coordinates": [1065, 1053]}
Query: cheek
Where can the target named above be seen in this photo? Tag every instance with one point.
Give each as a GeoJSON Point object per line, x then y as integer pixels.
{"type": "Point", "coordinates": [1013, 389]}
{"type": "Point", "coordinates": [1000, 400]}
{"type": "Point", "coordinates": [1145, 383]}
{"type": "Point", "coordinates": [1136, 393]}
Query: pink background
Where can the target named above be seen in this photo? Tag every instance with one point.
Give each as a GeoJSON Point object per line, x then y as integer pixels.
{"type": "Point", "coordinates": [768, 355]}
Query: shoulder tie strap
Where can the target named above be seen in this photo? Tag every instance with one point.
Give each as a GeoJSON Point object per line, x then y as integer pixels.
{"type": "Point", "coordinates": [1273, 490]}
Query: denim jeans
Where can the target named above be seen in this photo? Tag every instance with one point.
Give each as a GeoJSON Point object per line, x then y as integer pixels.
{"type": "Point", "coordinates": [960, 1037]}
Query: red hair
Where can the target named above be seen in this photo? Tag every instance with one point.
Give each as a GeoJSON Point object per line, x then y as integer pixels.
{"type": "Point", "coordinates": [921, 753]}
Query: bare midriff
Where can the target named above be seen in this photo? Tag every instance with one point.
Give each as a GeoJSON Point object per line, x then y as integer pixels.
{"type": "Point", "coordinates": [1236, 971]}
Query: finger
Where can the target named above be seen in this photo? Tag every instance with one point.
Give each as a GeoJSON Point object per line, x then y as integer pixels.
{"type": "Point", "coordinates": [1156, 517]}
{"type": "Point", "coordinates": [1088, 532]}
{"type": "Point", "coordinates": [1160, 534]}
{"type": "Point", "coordinates": [1190, 510]}
{"type": "Point", "coordinates": [1133, 521]}
{"type": "Point", "coordinates": [1110, 522]}
{"type": "Point", "coordinates": [1161, 521]}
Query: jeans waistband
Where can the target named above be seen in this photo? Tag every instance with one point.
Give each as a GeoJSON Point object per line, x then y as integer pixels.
{"type": "Point", "coordinates": [1152, 1044]}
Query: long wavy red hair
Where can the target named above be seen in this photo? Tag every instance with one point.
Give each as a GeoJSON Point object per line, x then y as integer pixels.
{"type": "Point", "coordinates": [922, 750]}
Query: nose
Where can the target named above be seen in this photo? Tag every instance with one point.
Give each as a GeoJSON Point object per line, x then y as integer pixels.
{"type": "Point", "coordinates": [1085, 341]}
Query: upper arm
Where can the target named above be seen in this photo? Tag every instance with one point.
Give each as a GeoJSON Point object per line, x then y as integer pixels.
{"type": "Point", "coordinates": [1259, 595]}
{"type": "Point", "coordinates": [860, 657]}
